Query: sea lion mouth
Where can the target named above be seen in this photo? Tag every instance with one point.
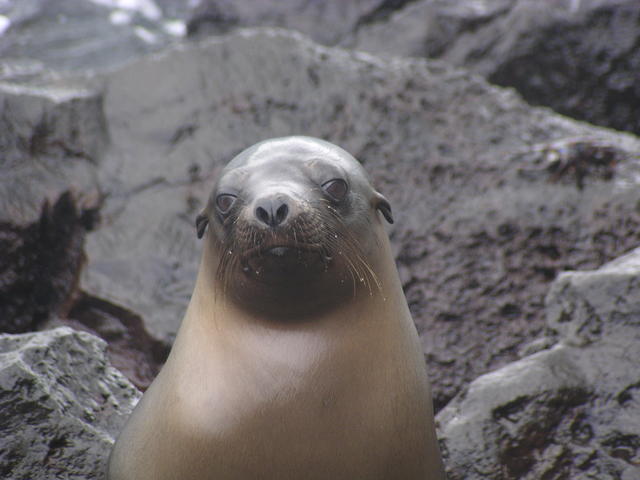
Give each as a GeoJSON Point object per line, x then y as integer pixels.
{"type": "Point", "coordinates": [281, 249]}
{"type": "Point", "coordinates": [285, 263]}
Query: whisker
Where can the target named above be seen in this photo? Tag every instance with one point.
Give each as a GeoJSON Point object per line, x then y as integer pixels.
{"type": "Point", "coordinates": [320, 226]}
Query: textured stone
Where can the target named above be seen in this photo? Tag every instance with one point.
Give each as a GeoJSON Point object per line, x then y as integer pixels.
{"type": "Point", "coordinates": [325, 21]}
{"type": "Point", "coordinates": [62, 405]}
{"type": "Point", "coordinates": [41, 263]}
{"type": "Point", "coordinates": [51, 138]}
{"type": "Point", "coordinates": [572, 411]}
{"type": "Point", "coordinates": [426, 28]}
{"type": "Point", "coordinates": [579, 57]}
{"type": "Point", "coordinates": [587, 307]}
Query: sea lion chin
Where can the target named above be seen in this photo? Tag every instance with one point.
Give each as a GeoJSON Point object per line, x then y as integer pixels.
{"type": "Point", "coordinates": [297, 357]}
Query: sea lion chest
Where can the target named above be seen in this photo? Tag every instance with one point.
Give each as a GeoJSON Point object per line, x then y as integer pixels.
{"type": "Point", "coordinates": [312, 402]}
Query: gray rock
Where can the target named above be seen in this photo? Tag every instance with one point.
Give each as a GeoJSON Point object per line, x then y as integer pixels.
{"type": "Point", "coordinates": [325, 21]}
{"type": "Point", "coordinates": [586, 307]}
{"type": "Point", "coordinates": [426, 28]}
{"type": "Point", "coordinates": [53, 135]}
{"type": "Point", "coordinates": [62, 405]}
{"type": "Point", "coordinates": [579, 57]}
{"type": "Point", "coordinates": [51, 138]}
{"type": "Point", "coordinates": [569, 412]}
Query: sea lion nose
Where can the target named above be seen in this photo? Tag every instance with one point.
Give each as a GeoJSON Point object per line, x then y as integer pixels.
{"type": "Point", "coordinates": [272, 210]}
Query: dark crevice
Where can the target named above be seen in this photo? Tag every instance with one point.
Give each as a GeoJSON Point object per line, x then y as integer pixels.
{"type": "Point", "coordinates": [562, 72]}
{"type": "Point", "coordinates": [382, 12]}
{"type": "Point", "coordinates": [40, 263]}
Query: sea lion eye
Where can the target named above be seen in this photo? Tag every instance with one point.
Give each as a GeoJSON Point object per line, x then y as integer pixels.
{"type": "Point", "coordinates": [224, 202]}
{"type": "Point", "coordinates": [336, 188]}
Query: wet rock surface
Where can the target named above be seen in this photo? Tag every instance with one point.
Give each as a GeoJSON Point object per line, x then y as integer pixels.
{"type": "Point", "coordinates": [568, 412]}
{"type": "Point", "coordinates": [62, 405]}
{"type": "Point", "coordinates": [73, 35]}
{"type": "Point", "coordinates": [41, 263]}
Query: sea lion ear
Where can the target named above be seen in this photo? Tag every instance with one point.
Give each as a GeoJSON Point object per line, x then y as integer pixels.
{"type": "Point", "coordinates": [382, 204]}
{"type": "Point", "coordinates": [201, 223]}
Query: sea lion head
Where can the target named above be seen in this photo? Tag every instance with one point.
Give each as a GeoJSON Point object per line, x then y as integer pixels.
{"type": "Point", "coordinates": [291, 220]}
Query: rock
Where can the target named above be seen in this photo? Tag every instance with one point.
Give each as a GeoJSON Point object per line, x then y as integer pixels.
{"type": "Point", "coordinates": [62, 405]}
{"type": "Point", "coordinates": [326, 21]}
{"type": "Point", "coordinates": [31, 301]}
{"type": "Point", "coordinates": [579, 57]}
{"type": "Point", "coordinates": [52, 138]}
{"type": "Point", "coordinates": [426, 28]}
{"type": "Point", "coordinates": [572, 411]}
{"type": "Point", "coordinates": [132, 350]}
{"type": "Point", "coordinates": [53, 246]}
{"type": "Point", "coordinates": [586, 307]}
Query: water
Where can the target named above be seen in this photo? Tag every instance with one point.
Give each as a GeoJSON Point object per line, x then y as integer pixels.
{"type": "Point", "coordinates": [78, 35]}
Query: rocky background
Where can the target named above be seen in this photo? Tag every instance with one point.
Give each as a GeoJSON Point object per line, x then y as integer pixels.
{"type": "Point", "coordinates": [115, 118]}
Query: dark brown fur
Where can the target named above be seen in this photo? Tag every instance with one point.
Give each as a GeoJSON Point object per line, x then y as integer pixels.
{"type": "Point", "coordinates": [318, 239]}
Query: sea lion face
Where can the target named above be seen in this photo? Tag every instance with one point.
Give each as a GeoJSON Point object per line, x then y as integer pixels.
{"type": "Point", "coordinates": [291, 221]}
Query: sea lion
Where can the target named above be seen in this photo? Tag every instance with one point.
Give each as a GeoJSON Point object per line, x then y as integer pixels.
{"type": "Point", "coordinates": [297, 357]}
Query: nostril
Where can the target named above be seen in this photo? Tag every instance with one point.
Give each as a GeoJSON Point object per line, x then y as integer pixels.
{"type": "Point", "coordinates": [272, 211]}
{"type": "Point", "coordinates": [263, 215]}
{"type": "Point", "coordinates": [281, 213]}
